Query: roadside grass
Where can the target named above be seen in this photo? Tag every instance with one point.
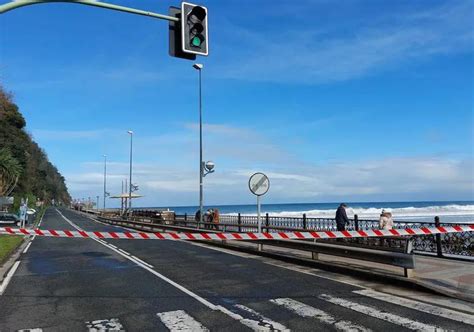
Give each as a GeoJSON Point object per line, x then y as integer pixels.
{"type": "Point", "coordinates": [8, 245]}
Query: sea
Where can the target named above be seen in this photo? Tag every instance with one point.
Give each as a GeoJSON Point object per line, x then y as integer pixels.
{"type": "Point", "coordinates": [448, 211]}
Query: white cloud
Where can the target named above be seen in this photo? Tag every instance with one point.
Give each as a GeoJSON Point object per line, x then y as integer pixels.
{"type": "Point", "coordinates": [313, 57]}
{"type": "Point", "coordinates": [382, 179]}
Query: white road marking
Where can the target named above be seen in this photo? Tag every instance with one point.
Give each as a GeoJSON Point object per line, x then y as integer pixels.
{"type": "Point", "coordinates": [31, 330]}
{"type": "Point", "coordinates": [263, 323]}
{"type": "Point", "coordinates": [41, 220]}
{"type": "Point", "coordinates": [138, 259]}
{"type": "Point", "coordinates": [305, 310]}
{"type": "Point", "coordinates": [122, 251]}
{"type": "Point", "coordinates": [9, 276]}
{"type": "Point", "coordinates": [179, 320]}
{"type": "Point", "coordinates": [198, 298]}
{"type": "Point", "coordinates": [392, 318]}
{"type": "Point", "coordinates": [27, 247]}
{"type": "Point", "coordinates": [227, 251]}
{"type": "Point", "coordinates": [420, 306]}
{"type": "Point", "coordinates": [102, 325]}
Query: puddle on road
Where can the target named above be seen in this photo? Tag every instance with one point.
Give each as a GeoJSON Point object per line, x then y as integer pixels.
{"type": "Point", "coordinates": [90, 260]}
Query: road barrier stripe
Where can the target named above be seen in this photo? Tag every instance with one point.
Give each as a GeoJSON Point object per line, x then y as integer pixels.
{"type": "Point", "coordinates": [238, 236]}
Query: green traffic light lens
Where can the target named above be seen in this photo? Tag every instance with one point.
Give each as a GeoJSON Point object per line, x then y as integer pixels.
{"type": "Point", "coordinates": [196, 41]}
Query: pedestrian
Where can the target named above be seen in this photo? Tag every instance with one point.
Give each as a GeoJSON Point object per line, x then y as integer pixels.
{"type": "Point", "coordinates": [208, 218]}
{"type": "Point", "coordinates": [341, 217]}
{"type": "Point", "coordinates": [197, 216]}
{"type": "Point", "coordinates": [215, 218]}
{"type": "Point", "coordinates": [386, 220]}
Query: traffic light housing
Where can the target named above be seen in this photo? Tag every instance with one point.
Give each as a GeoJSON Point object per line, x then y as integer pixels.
{"type": "Point", "coordinates": [175, 35]}
{"type": "Point", "coordinates": [194, 29]}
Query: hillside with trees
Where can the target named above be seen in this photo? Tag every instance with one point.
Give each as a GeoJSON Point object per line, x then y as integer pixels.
{"type": "Point", "coordinates": [23, 164]}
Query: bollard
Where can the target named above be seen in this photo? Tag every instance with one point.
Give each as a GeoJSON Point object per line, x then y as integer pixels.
{"type": "Point", "coordinates": [304, 220]}
{"type": "Point", "coordinates": [439, 248]}
{"type": "Point", "coordinates": [239, 222]}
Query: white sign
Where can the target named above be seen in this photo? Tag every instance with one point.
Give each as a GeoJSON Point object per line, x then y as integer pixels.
{"type": "Point", "coordinates": [259, 184]}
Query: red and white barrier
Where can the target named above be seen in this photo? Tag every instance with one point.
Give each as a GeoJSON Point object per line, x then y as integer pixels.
{"type": "Point", "coordinates": [238, 236]}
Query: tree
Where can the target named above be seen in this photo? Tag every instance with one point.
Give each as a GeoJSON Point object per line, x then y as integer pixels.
{"type": "Point", "coordinates": [10, 171]}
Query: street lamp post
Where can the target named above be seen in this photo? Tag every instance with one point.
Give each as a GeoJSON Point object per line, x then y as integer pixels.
{"type": "Point", "coordinates": [105, 180]}
{"type": "Point", "coordinates": [204, 167]}
{"type": "Point", "coordinates": [199, 67]}
{"type": "Point", "coordinates": [130, 175]}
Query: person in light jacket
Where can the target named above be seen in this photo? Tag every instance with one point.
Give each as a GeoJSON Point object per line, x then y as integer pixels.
{"type": "Point", "coordinates": [386, 220]}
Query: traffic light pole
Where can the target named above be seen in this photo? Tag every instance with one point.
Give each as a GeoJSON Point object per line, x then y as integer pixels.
{"type": "Point", "coordinates": [22, 3]}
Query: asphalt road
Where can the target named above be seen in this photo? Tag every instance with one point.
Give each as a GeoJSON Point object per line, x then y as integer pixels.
{"type": "Point", "coordinates": [132, 285]}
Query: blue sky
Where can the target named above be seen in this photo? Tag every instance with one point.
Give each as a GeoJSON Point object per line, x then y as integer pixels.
{"type": "Point", "coordinates": [335, 101]}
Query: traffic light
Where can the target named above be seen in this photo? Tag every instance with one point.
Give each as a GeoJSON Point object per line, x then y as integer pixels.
{"type": "Point", "coordinates": [175, 35]}
{"type": "Point", "coordinates": [194, 29]}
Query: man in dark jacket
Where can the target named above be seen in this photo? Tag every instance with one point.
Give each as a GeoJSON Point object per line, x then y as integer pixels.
{"type": "Point", "coordinates": [341, 217]}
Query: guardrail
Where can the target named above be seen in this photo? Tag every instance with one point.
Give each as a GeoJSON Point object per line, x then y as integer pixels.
{"type": "Point", "coordinates": [457, 244]}
{"type": "Point", "coordinates": [398, 257]}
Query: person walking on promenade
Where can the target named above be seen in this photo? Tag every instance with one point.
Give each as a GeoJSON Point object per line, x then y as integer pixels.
{"type": "Point", "coordinates": [386, 220]}
{"type": "Point", "coordinates": [215, 218]}
{"type": "Point", "coordinates": [341, 217]}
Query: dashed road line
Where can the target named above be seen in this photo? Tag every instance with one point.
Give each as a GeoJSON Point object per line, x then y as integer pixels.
{"type": "Point", "coordinates": [27, 247]}
{"type": "Point", "coordinates": [386, 316]}
{"type": "Point", "coordinates": [121, 250]}
{"type": "Point", "coordinates": [9, 276]}
{"type": "Point", "coordinates": [306, 311]}
{"type": "Point", "coordinates": [179, 320]}
{"type": "Point", "coordinates": [138, 259]}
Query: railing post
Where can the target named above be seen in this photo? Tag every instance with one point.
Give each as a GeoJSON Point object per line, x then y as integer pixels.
{"type": "Point", "coordinates": [239, 222]}
{"type": "Point", "coordinates": [356, 222]}
{"type": "Point", "coordinates": [267, 221]}
{"type": "Point", "coordinates": [439, 248]}
{"type": "Point", "coordinates": [304, 221]}
{"type": "Point", "coordinates": [185, 217]}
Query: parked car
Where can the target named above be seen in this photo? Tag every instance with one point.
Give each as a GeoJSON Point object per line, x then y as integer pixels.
{"type": "Point", "coordinates": [9, 219]}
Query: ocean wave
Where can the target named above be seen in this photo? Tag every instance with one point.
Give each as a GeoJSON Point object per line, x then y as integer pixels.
{"type": "Point", "coordinates": [374, 213]}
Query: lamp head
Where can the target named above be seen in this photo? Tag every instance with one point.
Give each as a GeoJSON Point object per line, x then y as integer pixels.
{"type": "Point", "coordinates": [210, 165]}
{"type": "Point", "coordinates": [130, 132]}
{"type": "Point", "coordinates": [198, 66]}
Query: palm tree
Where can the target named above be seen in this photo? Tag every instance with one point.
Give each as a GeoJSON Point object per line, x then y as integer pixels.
{"type": "Point", "coordinates": [10, 171]}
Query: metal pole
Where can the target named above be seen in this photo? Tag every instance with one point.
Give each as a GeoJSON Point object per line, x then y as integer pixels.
{"type": "Point", "coordinates": [130, 177]}
{"type": "Point", "coordinates": [97, 205]}
{"type": "Point", "coordinates": [16, 4]}
{"type": "Point", "coordinates": [105, 180]}
{"type": "Point", "coordinates": [259, 221]}
{"type": "Point", "coordinates": [200, 153]}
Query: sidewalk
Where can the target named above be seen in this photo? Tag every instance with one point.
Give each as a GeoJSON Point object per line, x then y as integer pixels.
{"type": "Point", "coordinates": [447, 276]}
